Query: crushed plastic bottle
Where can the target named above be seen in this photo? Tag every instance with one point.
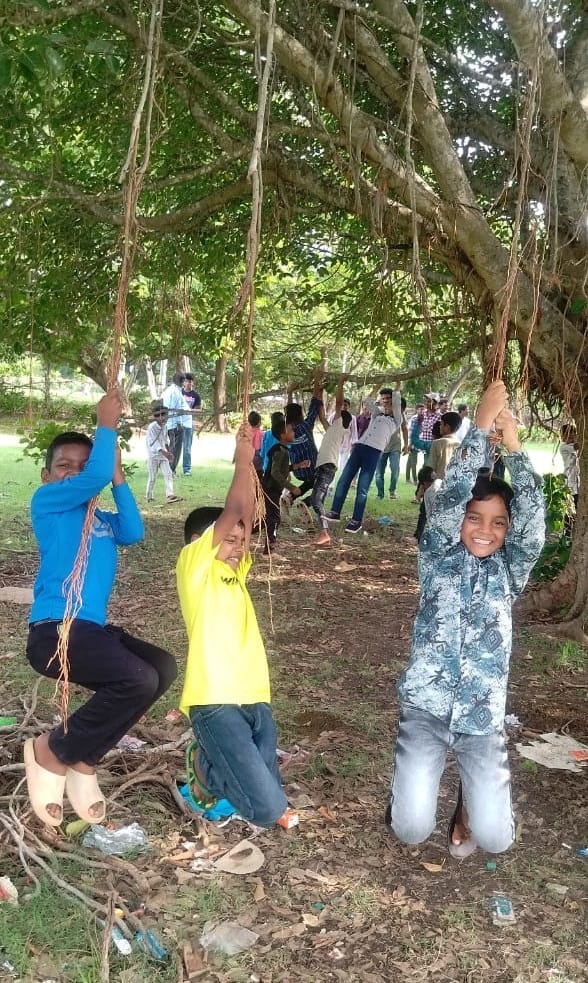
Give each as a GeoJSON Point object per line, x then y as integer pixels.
{"type": "Point", "coordinates": [116, 842]}
{"type": "Point", "coordinates": [229, 937]}
{"type": "Point", "coordinates": [117, 938]}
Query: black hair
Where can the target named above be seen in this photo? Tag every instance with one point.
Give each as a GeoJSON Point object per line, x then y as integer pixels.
{"type": "Point", "coordinates": [294, 413]}
{"type": "Point", "coordinates": [346, 419]}
{"type": "Point", "coordinates": [279, 427]}
{"type": "Point", "coordinates": [386, 392]}
{"type": "Point", "coordinates": [487, 487]}
{"type": "Point", "coordinates": [346, 400]}
{"type": "Point", "coordinates": [62, 439]}
{"type": "Point", "coordinates": [199, 520]}
{"type": "Point", "coordinates": [452, 420]}
{"type": "Point", "coordinates": [461, 407]}
{"type": "Point", "coordinates": [157, 404]}
{"type": "Point", "coordinates": [254, 419]}
{"type": "Point", "coordinates": [436, 430]}
{"type": "Point", "coordinates": [189, 376]}
{"type": "Point", "coordinates": [275, 417]}
{"type": "Point", "coordinates": [425, 474]}
{"type": "Point", "coordinates": [178, 378]}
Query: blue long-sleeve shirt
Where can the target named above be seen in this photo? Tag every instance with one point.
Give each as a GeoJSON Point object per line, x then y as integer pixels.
{"type": "Point", "coordinates": [462, 636]}
{"type": "Point", "coordinates": [58, 510]}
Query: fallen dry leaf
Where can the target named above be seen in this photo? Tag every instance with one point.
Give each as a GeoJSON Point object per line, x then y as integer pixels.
{"type": "Point", "coordinates": [289, 932]}
{"type": "Point", "coordinates": [433, 868]}
{"type": "Point", "coordinates": [311, 921]}
{"type": "Point", "coordinates": [327, 814]}
{"type": "Point", "coordinates": [259, 893]}
{"type": "Point", "coordinates": [344, 567]}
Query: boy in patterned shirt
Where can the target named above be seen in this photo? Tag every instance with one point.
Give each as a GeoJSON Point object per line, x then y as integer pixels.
{"type": "Point", "coordinates": [476, 553]}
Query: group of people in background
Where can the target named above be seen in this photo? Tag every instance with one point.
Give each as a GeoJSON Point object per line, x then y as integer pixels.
{"type": "Point", "coordinates": [170, 434]}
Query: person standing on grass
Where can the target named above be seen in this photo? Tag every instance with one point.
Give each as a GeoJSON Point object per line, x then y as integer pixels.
{"type": "Point", "coordinates": [175, 404]}
{"type": "Point", "coordinates": [303, 450]}
{"type": "Point", "coordinates": [413, 454]}
{"type": "Point", "coordinates": [158, 453]}
{"type": "Point", "coordinates": [397, 445]}
{"type": "Point", "coordinates": [194, 404]}
{"type": "Point", "coordinates": [444, 446]}
{"type": "Point", "coordinates": [126, 674]}
{"type": "Point", "coordinates": [463, 410]}
{"type": "Point", "coordinates": [386, 417]}
{"type": "Point", "coordinates": [276, 479]}
{"type": "Point", "coordinates": [226, 693]}
{"type": "Point", "coordinates": [476, 553]}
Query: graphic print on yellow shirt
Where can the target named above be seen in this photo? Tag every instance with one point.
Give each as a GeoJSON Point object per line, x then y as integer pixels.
{"type": "Point", "coordinates": [226, 656]}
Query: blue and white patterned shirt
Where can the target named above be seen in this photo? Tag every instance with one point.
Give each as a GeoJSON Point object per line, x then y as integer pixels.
{"type": "Point", "coordinates": [462, 636]}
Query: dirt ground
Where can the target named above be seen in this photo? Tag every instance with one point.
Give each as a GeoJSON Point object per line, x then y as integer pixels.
{"type": "Point", "coordinates": [337, 897]}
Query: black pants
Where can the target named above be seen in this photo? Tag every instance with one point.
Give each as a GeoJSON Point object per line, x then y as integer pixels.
{"type": "Point", "coordinates": [272, 518]}
{"type": "Point", "coordinates": [176, 444]}
{"type": "Point", "coordinates": [127, 675]}
{"type": "Point", "coordinates": [323, 477]}
{"type": "Point", "coordinates": [421, 522]}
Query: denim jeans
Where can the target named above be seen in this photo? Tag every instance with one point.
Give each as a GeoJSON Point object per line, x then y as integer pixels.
{"type": "Point", "coordinates": [237, 758]}
{"type": "Point", "coordinates": [363, 459]}
{"type": "Point", "coordinates": [412, 466]}
{"type": "Point", "coordinates": [187, 437]}
{"type": "Point", "coordinates": [394, 458]}
{"type": "Point", "coordinates": [323, 477]}
{"type": "Point", "coordinates": [421, 749]}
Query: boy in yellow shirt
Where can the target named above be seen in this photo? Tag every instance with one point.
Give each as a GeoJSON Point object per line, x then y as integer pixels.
{"type": "Point", "coordinates": [226, 691]}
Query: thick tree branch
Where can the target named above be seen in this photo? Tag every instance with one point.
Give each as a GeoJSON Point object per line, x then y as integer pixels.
{"type": "Point", "coordinates": [558, 102]}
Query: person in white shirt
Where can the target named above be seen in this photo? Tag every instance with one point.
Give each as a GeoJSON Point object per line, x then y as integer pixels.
{"type": "Point", "coordinates": [465, 424]}
{"type": "Point", "coordinates": [176, 405]}
{"type": "Point", "coordinates": [326, 462]}
{"type": "Point", "coordinates": [385, 420]}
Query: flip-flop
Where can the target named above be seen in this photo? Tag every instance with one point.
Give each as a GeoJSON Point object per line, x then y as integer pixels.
{"type": "Point", "coordinates": [44, 787]}
{"type": "Point", "coordinates": [200, 796]}
{"type": "Point", "coordinates": [83, 791]}
{"type": "Point", "coordinates": [459, 850]}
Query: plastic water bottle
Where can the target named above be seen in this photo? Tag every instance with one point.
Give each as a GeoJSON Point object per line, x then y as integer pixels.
{"type": "Point", "coordinates": [150, 944]}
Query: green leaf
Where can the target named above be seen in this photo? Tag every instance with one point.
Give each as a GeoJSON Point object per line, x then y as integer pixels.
{"type": "Point", "coordinates": [100, 46]}
{"type": "Point", "coordinates": [55, 61]}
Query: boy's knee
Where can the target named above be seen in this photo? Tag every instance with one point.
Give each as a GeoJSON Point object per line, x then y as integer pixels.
{"type": "Point", "coordinates": [268, 812]}
{"type": "Point", "coordinates": [168, 671]}
{"type": "Point", "coordinates": [144, 683]}
{"type": "Point", "coordinates": [492, 839]}
{"type": "Point", "coordinates": [410, 827]}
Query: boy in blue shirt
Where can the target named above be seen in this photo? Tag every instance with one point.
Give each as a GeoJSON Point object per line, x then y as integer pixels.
{"type": "Point", "coordinates": [478, 548]}
{"type": "Point", "coordinates": [127, 675]}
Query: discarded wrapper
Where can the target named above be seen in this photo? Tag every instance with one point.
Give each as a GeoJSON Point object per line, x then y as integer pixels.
{"type": "Point", "coordinates": [173, 716]}
{"type": "Point", "coordinates": [502, 910]}
{"type": "Point", "coordinates": [288, 819]}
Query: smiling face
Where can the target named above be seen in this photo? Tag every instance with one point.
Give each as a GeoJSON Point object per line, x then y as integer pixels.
{"type": "Point", "coordinates": [68, 460]}
{"type": "Point", "coordinates": [485, 526]}
{"type": "Point", "coordinates": [232, 548]}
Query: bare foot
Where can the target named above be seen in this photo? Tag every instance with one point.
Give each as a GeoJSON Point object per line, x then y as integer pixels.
{"type": "Point", "coordinates": [44, 756]}
{"type": "Point", "coordinates": [461, 830]}
{"type": "Point", "coordinates": [323, 539]}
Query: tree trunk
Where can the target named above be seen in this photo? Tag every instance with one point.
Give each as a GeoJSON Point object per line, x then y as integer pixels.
{"type": "Point", "coordinates": [46, 385]}
{"type": "Point", "coordinates": [219, 395]}
{"type": "Point", "coordinates": [162, 381]}
{"type": "Point", "coordinates": [150, 377]}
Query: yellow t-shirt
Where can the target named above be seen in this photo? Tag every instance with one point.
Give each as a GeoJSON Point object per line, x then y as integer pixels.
{"type": "Point", "coordinates": [226, 656]}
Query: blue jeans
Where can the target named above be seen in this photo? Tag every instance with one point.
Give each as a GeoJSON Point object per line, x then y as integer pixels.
{"type": "Point", "coordinates": [412, 466]}
{"type": "Point", "coordinates": [394, 458]}
{"type": "Point", "coordinates": [421, 749]}
{"type": "Point", "coordinates": [363, 459]}
{"type": "Point", "coordinates": [187, 449]}
{"type": "Point", "coordinates": [237, 758]}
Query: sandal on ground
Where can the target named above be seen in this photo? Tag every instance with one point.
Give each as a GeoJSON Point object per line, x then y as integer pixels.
{"type": "Point", "coordinates": [200, 796]}
{"type": "Point", "coordinates": [45, 787]}
{"type": "Point", "coordinates": [459, 850]}
{"type": "Point", "coordinates": [83, 791]}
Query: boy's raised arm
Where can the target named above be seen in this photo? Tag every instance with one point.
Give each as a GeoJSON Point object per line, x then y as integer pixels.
{"type": "Point", "coordinates": [239, 503]}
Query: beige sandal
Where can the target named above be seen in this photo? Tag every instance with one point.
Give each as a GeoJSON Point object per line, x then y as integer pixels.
{"type": "Point", "coordinates": [45, 787]}
{"type": "Point", "coordinates": [83, 791]}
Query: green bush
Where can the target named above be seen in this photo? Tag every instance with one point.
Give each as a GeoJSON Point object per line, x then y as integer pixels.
{"type": "Point", "coordinates": [559, 507]}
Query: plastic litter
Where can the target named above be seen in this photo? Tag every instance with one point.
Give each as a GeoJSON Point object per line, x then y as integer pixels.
{"type": "Point", "coordinates": [8, 891]}
{"type": "Point", "coordinates": [173, 716]}
{"type": "Point", "coordinates": [502, 910]}
{"type": "Point", "coordinates": [553, 751]}
{"type": "Point", "coordinates": [128, 743]}
{"type": "Point", "coordinates": [298, 530]}
{"type": "Point", "coordinates": [386, 520]}
{"type": "Point", "coordinates": [117, 938]}
{"type": "Point", "coordinates": [150, 944]}
{"type": "Point", "coordinates": [116, 842]}
{"type": "Point", "coordinates": [8, 721]}
{"type": "Point", "coordinates": [230, 938]}
{"type": "Point", "coordinates": [289, 819]}
{"type": "Point", "coordinates": [511, 720]}
{"type": "Point", "coordinates": [582, 851]}
{"type": "Point", "coordinates": [490, 865]}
